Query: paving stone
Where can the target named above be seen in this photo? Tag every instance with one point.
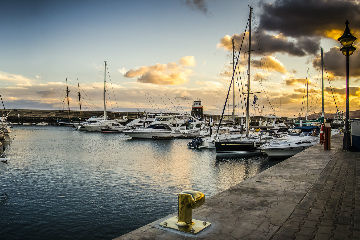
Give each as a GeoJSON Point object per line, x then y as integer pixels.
{"type": "Point", "coordinates": [321, 236]}
{"type": "Point", "coordinates": [309, 224]}
{"type": "Point", "coordinates": [307, 231]}
{"type": "Point", "coordinates": [325, 229]}
{"type": "Point", "coordinates": [327, 222]}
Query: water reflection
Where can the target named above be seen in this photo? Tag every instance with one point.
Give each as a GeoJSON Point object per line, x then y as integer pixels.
{"type": "Point", "coordinates": [80, 185]}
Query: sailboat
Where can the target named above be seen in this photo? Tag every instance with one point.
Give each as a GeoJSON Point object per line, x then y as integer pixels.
{"type": "Point", "coordinates": [103, 124]}
{"type": "Point", "coordinates": [248, 144]}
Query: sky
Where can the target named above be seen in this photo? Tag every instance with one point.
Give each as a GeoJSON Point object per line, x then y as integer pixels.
{"type": "Point", "coordinates": [162, 55]}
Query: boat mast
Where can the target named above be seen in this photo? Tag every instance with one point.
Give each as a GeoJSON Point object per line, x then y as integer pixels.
{"type": "Point", "coordinates": [322, 86]}
{"type": "Point", "coordinates": [307, 98]}
{"type": "Point", "coordinates": [79, 96]}
{"type": "Point", "coordinates": [233, 66]}
{"type": "Point", "coordinates": [248, 84]}
{"type": "Point", "coordinates": [67, 98]}
{"type": "Point", "coordinates": [105, 116]}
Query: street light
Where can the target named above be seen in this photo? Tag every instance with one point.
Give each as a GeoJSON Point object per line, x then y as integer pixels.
{"type": "Point", "coordinates": [347, 40]}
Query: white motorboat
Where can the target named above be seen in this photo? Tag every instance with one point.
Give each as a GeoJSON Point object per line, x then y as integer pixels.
{"type": "Point", "coordinates": [99, 125]}
{"type": "Point", "coordinates": [113, 127]}
{"type": "Point", "coordinates": [153, 131]}
{"type": "Point", "coordinates": [288, 146]}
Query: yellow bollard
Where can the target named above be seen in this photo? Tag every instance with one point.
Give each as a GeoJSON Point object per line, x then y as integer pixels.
{"type": "Point", "coordinates": [187, 200]}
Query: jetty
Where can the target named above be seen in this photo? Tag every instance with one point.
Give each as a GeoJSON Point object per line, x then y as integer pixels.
{"type": "Point", "coordinates": [312, 195]}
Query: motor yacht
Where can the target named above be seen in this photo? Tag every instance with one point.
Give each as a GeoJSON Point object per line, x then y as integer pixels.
{"type": "Point", "coordinates": [153, 131]}
{"type": "Point", "coordinates": [288, 146]}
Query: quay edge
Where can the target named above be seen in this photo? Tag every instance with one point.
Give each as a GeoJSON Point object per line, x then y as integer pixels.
{"type": "Point", "coordinates": [274, 204]}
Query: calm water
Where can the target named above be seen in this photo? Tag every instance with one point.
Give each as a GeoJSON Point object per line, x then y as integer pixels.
{"type": "Point", "coordinates": [65, 184]}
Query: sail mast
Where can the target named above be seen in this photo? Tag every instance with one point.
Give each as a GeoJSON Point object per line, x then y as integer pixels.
{"type": "Point", "coordinates": [307, 98]}
{"type": "Point", "coordinates": [248, 84]}
{"type": "Point", "coordinates": [67, 98]}
{"type": "Point", "coordinates": [322, 86]}
{"type": "Point", "coordinates": [105, 116]}
{"type": "Point", "coordinates": [233, 66]}
{"type": "Point", "coordinates": [79, 95]}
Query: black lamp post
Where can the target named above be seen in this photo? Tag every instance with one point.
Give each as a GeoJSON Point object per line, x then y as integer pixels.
{"type": "Point", "coordinates": [347, 40]}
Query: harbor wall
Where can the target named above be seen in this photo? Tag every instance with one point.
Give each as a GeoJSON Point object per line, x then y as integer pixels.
{"type": "Point", "coordinates": [258, 207]}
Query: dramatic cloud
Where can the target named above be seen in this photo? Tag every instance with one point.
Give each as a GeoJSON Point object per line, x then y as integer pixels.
{"type": "Point", "coordinates": [309, 18]}
{"type": "Point", "coordinates": [198, 5]}
{"type": "Point", "coordinates": [267, 44]}
{"type": "Point", "coordinates": [164, 74]}
{"type": "Point", "coordinates": [342, 91]}
{"type": "Point", "coordinates": [270, 63]}
{"type": "Point", "coordinates": [334, 62]}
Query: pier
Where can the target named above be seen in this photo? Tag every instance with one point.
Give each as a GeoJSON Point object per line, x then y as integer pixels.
{"type": "Point", "coordinates": [312, 195]}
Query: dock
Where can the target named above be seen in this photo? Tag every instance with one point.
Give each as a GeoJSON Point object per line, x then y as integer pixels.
{"type": "Point", "coordinates": [312, 195]}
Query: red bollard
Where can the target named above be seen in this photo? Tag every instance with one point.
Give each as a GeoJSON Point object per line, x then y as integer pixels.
{"type": "Point", "coordinates": [327, 133]}
{"type": "Point", "coordinates": [322, 134]}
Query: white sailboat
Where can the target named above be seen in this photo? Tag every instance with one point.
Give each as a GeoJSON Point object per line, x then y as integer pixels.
{"type": "Point", "coordinates": [247, 145]}
{"type": "Point", "coordinates": [98, 125]}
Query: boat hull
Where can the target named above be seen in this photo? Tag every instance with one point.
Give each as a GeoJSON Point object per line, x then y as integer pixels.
{"type": "Point", "coordinates": [148, 135]}
{"type": "Point", "coordinates": [283, 152]}
{"type": "Point", "coordinates": [248, 148]}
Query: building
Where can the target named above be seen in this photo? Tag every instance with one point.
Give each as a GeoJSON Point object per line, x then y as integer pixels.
{"type": "Point", "coordinates": [197, 110]}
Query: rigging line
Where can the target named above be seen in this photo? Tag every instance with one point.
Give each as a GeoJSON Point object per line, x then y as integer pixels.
{"type": "Point", "coordinates": [232, 79]}
{"type": "Point", "coordinates": [113, 91]}
{"type": "Point", "coordinates": [176, 98]}
{"type": "Point", "coordinates": [176, 109]}
{"type": "Point", "coordinates": [91, 102]}
{"type": "Point", "coordinates": [167, 109]}
{"type": "Point", "coordinates": [331, 88]}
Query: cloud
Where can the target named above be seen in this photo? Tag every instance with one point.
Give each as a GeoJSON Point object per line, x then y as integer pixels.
{"type": "Point", "coordinates": [270, 63]}
{"type": "Point", "coordinates": [198, 5]}
{"type": "Point", "coordinates": [46, 94]}
{"type": "Point", "coordinates": [261, 76]}
{"type": "Point", "coordinates": [188, 61]}
{"type": "Point", "coordinates": [210, 84]}
{"type": "Point", "coordinates": [296, 18]}
{"type": "Point", "coordinates": [163, 74]}
{"type": "Point", "coordinates": [334, 62]}
{"type": "Point", "coordinates": [184, 95]}
{"type": "Point", "coordinates": [122, 71]}
{"type": "Point", "coordinates": [28, 104]}
{"type": "Point", "coordinates": [303, 90]}
{"type": "Point", "coordinates": [12, 79]}
{"type": "Point", "coordinates": [342, 91]}
{"type": "Point", "coordinates": [294, 81]}
{"type": "Point", "coordinates": [265, 43]}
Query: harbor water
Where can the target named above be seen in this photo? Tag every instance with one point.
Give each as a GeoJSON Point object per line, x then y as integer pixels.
{"type": "Point", "coordinates": [66, 184]}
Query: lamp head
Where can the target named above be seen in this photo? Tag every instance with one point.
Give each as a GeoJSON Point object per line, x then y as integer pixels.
{"type": "Point", "coordinates": [351, 50]}
{"type": "Point", "coordinates": [347, 39]}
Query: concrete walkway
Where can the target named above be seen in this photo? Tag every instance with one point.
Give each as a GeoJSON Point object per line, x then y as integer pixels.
{"type": "Point", "coordinates": [312, 195]}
